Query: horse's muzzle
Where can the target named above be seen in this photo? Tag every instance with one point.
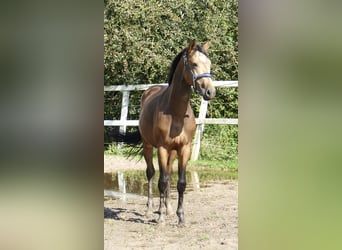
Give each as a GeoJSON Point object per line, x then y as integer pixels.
{"type": "Point", "coordinates": [207, 91]}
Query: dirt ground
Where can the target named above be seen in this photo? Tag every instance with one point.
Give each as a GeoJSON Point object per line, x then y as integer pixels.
{"type": "Point", "coordinates": [211, 218]}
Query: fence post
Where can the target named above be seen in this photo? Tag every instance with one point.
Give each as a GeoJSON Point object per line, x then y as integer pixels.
{"type": "Point", "coordinates": [199, 131]}
{"type": "Point", "coordinates": [124, 109]}
{"type": "Point", "coordinates": [122, 184]}
{"type": "Point", "coordinates": [124, 112]}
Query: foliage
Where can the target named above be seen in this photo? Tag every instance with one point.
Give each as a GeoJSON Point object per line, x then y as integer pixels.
{"type": "Point", "coordinates": [141, 38]}
{"type": "Point", "coordinates": [219, 142]}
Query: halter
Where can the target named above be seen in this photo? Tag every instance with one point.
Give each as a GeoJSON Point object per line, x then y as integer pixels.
{"type": "Point", "coordinates": [194, 76]}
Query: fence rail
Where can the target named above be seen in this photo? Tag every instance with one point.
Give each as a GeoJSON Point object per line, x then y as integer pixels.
{"type": "Point", "coordinates": [133, 123]}
{"type": "Point", "coordinates": [200, 121]}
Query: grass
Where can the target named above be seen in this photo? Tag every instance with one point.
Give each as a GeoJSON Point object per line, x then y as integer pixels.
{"type": "Point", "coordinates": [230, 164]}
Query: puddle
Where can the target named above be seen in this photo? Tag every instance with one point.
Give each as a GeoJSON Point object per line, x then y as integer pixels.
{"type": "Point", "coordinates": [133, 183]}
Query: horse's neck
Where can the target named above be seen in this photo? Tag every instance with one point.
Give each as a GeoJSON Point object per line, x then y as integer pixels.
{"type": "Point", "coordinates": [179, 96]}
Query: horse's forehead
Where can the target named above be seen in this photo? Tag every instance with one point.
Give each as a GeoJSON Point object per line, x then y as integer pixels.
{"type": "Point", "coordinates": [201, 57]}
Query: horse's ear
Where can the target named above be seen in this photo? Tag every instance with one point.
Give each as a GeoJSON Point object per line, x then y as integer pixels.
{"type": "Point", "coordinates": [206, 45]}
{"type": "Point", "coordinates": [192, 45]}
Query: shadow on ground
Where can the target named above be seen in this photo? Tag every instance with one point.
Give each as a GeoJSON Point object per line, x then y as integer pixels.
{"type": "Point", "coordinates": [123, 214]}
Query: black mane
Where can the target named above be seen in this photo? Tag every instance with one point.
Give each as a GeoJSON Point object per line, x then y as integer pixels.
{"type": "Point", "coordinates": [177, 59]}
{"type": "Point", "coordinates": [174, 66]}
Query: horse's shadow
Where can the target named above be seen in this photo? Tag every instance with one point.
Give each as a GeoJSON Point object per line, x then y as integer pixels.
{"type": "Point", "coordinates": [122, 214]}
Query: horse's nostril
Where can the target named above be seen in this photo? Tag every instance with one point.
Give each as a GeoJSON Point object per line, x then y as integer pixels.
{"type": "Point", "coordinates": [208, 92]}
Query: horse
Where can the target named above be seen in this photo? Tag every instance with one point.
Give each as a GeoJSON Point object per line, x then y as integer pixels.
{"type": "Point", "coordinates": [167, 122]}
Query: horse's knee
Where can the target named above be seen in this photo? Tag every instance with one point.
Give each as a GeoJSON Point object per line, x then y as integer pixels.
{"type": "Point", "coordinates": [150, 173]}
{"type": "Point", "coordinates": [181, 185]}
{"type": "Point", "coordinates": [163, 184]}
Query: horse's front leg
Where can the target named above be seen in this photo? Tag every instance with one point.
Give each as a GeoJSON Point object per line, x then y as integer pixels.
{"type": "Point", "coordinates": [183, 158]}
{"type": "Point", "coordinates": [163, 183]}
{"type": "Point", "coordinates": [171, 159]}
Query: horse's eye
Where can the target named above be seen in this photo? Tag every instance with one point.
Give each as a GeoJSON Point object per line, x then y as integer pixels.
{"type": "Point", "coordinates": [194, 65]}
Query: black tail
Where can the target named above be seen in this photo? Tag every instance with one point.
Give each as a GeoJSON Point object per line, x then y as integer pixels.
{"type": "Point", "coordinates": [129, 138]}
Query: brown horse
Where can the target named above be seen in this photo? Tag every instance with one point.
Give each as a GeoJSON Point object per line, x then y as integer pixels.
{"type": "Point", "coordinates": [167, 122]}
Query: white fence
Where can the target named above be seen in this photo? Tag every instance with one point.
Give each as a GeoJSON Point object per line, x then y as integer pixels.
{"type": "Point", "coordinates": [200, 121]}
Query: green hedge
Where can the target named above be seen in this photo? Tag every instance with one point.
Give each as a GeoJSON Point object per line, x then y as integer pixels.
{"type": "Point", "coordinates": [141, 38]}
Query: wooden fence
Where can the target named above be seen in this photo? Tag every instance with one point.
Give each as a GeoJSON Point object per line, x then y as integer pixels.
{"type": "Point", "coordinates": [200, 121]}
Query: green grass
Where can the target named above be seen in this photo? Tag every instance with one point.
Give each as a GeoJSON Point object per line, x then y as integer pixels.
{"type": "Point", "coordinates": [230, 164]}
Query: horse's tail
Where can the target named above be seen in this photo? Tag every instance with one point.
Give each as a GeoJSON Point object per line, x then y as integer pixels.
{"type": "Point", "coordinates": [130, 138]}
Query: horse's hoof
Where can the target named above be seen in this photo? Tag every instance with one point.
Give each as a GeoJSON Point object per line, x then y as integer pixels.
{"type": "Point", "coordinates": [181, 220]}
{"type": "Point", "coordinates": [181, 223]}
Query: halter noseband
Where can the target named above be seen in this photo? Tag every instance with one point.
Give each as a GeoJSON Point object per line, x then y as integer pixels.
{"type": "Point", "coordinates": [194, 76]}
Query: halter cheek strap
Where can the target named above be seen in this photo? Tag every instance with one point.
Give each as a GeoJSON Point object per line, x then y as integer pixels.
{"type": "Point", "coordinates": [194, 76]}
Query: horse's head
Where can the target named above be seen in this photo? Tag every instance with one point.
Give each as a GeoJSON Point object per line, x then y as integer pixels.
{"type": "Point", "coordinates": [197, 64]}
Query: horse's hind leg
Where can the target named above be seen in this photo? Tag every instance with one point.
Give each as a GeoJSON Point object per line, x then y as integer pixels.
{"type": "Point", "coordinates": [183, 158]}
{"type": "Point", "coordinates": [148, 155]}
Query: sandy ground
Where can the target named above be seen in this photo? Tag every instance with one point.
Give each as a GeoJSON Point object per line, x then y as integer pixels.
{"type": "Point", "coordinates": [211, 218]}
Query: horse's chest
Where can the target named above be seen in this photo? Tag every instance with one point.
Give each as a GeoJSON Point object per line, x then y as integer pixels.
{"type": "Point", "coordinates": [181, 139]}
{"type": "Point", "coordinates": [177, 135]}
{"type": "Point", "coordinates": [176, 130]}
